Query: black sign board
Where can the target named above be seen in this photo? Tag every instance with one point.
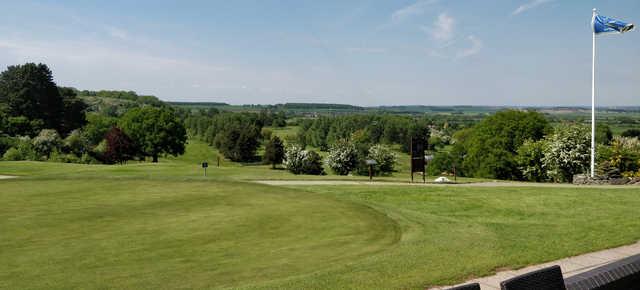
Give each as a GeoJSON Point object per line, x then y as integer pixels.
{"type": "Point", "coordinates": [417, 157]}
{"type": "Point", "coordinates": [205, 164]}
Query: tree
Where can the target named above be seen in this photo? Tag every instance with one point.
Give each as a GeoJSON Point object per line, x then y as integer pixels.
{"type": "Point", "coordinates": [493, 143]}
{"type": "Point", "coordinates": [46, 142]}
{"type": "Point", "coordinates": [313, 164]}
{"type": "Point", "coordinates": [567, 152]}
{"type": "Point", "coordinates": [343, 157]}
{"type": "Point", "coordinates": [22, 126]}
{"type": "Point", "coordinates": [273, 152]}
{"type": "Point", "coordinates": [74, 110]}
{"type": "Point", "coordinates": [238, 141]}
{"type": "Point", "coordinates": [529, 159]}
{"type": "Point", "coordinates": [384, 157]}
{"type": "Point", "coordinates": [28, 90]}
{"type": "Point", "coordinates": [120, 147]}
{"type": "Point", "coordinates": [442, 162]}
{"type": "Point", "coordinates": [76, 143]}
{"type": "Point", "coordinates": [603, 134]}
{"type": "Point", "coordinates": [154, 131]}
{"type": "Point", "coordinates": [631, 133]}
{"type": "Point", "coordinates": [97, 127]}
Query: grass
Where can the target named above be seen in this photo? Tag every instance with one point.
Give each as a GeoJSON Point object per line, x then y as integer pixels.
{"type": "Point", "coordinates": [165, 225]}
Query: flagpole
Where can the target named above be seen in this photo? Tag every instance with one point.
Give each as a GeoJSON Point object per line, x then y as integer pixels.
{"type": "Point", "coordinates": [593, 101]}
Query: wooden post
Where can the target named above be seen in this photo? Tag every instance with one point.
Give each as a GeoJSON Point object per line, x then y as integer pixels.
{"type": "Point", "coordinates": [455, 176]}
{"type": "Point", "coordinates": [218, 160]}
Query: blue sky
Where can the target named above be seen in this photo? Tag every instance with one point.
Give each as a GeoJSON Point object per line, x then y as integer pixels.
{"type": "Point", "coordinates": [429, 52]}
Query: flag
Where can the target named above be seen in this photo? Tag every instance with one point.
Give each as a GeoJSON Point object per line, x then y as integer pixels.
{"type": "Point", "coordinates": [603, 24]}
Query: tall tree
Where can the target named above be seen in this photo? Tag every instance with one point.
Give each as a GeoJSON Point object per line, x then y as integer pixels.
{"type": "Point", "coordinates": [155, 131]}
{"type": "Point", "coordinates": [28, 90]}
{"type": "Point", "coordinates": [493, 143]}
{"type": "Point", "coordinates": [274, 152]}
{"type": "Point", "coordinates": [74, 110]}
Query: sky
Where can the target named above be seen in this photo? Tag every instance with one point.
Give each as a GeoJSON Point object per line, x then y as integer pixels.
{"type": "Point", "coordinates": [405, 52]}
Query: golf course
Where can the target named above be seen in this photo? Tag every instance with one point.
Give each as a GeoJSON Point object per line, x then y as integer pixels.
{"type": "Point", "coordinates": [166, 225]}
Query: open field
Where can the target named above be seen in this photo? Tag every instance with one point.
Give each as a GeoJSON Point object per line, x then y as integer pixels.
{"type": "Point", "coordinates": [165, 225]}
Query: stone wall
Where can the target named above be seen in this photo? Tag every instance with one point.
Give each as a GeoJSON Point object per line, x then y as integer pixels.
{"type": "Point", "coordinates": [584, 179]}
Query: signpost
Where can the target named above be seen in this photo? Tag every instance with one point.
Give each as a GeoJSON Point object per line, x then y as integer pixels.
{"type": "Point", "coordinates": [371, 163]}
{"type": "Point", "coordinates": [418, 158]}
{"type": "Point", "coordinates": [204, 166]}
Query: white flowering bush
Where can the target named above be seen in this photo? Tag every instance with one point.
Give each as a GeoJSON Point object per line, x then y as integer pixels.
{"type": "Point", "coordinates": [294, 159]}
{"type": "Point", "coordinates": [47, 141]}
{"type": "Point", "coordinates": [300, 161]}
{"type": "Point", "coordinates": [385, 158]}
{"type": "Point", "coordinates": [627, 143]}
{"type": "Point", "coordinates": [567, 152]}
{"type": "Point", "coordinates": [343, 157]}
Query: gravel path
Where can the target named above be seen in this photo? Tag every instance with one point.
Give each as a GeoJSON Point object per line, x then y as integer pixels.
{"type": "Point", "coordinates": [472, 184]}
{"type": "Point", "coordinates": [7, 176]}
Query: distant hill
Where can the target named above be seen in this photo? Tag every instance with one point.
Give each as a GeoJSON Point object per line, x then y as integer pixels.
{"type": "Point", "coordinates": [320, 106]}
{"type": "Point", "coordinates": [114, 103]}
{"type": "Point", "coordinates": [198, 104]}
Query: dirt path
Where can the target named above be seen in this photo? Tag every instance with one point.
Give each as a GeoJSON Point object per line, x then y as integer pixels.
{"type": "Point", "coordinates": [7, 176]}
{"type": "Point", "coordinates": [473, 184]}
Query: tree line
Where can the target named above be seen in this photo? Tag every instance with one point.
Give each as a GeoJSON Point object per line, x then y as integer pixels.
{"type": "Point", "coordinates": [41, 121]}
{"type": "Point", "coordinates": [522, 145]}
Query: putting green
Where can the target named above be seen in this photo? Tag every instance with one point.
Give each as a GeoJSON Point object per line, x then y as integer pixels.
{"type": "Point", "coordinates": [79, 233]}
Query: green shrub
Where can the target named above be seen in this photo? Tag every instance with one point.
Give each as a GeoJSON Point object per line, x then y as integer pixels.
{"type": "Point", "coordinates": [13, 154]}
{"type": "Point", "coordinates": [76, 143]}
{"type": "Point", "coordinates": [529, 159]}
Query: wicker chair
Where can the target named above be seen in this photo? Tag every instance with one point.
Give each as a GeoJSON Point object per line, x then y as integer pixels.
{"type": "Point", "coordinates": [474, 286]}
{"type": "Point", "coordinates": [544, 279]}
{"type": "Point", "coordinates": [623, 275]}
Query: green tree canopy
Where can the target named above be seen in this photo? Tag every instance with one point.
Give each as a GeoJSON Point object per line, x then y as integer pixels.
{"type": "Point", "coordinates": [28, 90]}
{"type": "Point", "coordinates": [155, 131]}
{"type": "Point", "coordinates": [273, 151]}
{"type": "Point", "coordinates": [491, 146]}
{"type": "Point", "coordinates": [30, 98]}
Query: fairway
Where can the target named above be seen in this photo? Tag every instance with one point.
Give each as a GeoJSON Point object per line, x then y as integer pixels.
{"type": "Point", "coordinates": [165, 225]}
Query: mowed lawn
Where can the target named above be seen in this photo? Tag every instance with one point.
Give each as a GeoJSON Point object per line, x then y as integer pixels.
{"type": "Point", "coordinates": [66, 226]}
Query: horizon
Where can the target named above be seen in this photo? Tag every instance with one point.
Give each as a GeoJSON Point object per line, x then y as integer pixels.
{"type": "Point", "coordinates": [365, 53]}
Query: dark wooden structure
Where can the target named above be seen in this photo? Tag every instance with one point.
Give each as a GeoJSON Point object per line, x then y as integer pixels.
{"type": "Point", "coordinates": [417, 158]}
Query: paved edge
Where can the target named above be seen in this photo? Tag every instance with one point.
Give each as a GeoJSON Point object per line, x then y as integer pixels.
{"type": "Point", "coordinates": [570, 266]}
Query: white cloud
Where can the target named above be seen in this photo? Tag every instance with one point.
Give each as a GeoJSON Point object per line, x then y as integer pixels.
{"type": "Point", "coordinates": [476, 46]}
{"type": "Point", "coordinates": [529, 5]}
{"type": "Point", "coordinates": [443, 28]}
{"type": "Point", "coordinates": [94, 65]}
{"type": "Point", "coordinates": [415, 9]}
{"type": "Point", "coordinates": [116, 32]}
